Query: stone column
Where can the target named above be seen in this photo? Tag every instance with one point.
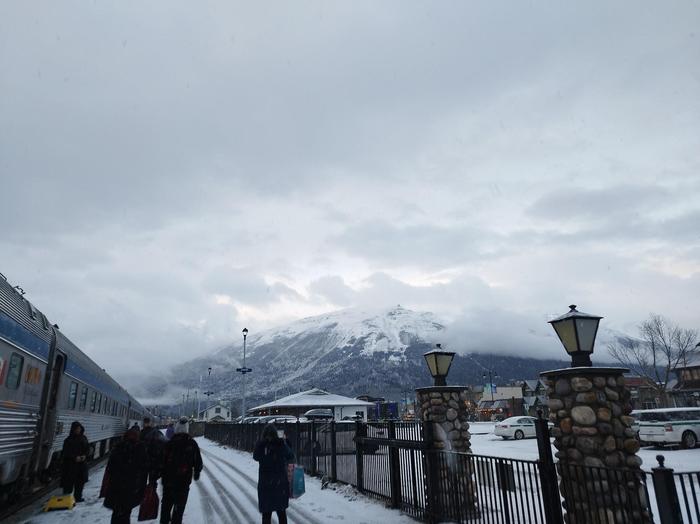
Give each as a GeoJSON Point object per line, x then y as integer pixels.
{"type": "Point", "coordinates": [451, 478]}
{"type": "Point", "coordinates": [597, 449]}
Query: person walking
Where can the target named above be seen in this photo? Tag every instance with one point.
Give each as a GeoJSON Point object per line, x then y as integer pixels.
{"type": "Point", "coordinates": [74, 470]}
{"type": "Point", "coordinates": [154, 441]}
{"type": "Point", "coordinates": [273, 454]}
{"type": "Point", "coordinates": [181, 463]}
{"type": "Point", "coordinates": [127, 469]}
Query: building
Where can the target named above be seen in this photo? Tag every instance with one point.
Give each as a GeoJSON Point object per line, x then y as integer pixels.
{"type": "Point", "coordinates": [216, 413]}
{"type": "Point", "coordinates": [535, 397]}
{"type": "Point", "coordinates": [300, 403]}
{"type": "Point", "coordinates": [502, 402]}
{"type": "Point", "coordinates": [643, 394]}
{"type": "Point", "coordinates": [684, 389]}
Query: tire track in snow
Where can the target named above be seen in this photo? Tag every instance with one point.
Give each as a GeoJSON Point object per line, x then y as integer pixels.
{"type": "Point", "coordinates": [227, 500]}
{"type": "Point", "coordinates": [242, 490]}
{"type": "Point", "coordinates": [295, 513]}
{"type": "Point", "coordinates": [208, 502]}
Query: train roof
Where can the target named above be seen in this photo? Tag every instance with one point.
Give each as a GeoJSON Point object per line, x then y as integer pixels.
{"type": "Point", "coordinates": [36, 339]}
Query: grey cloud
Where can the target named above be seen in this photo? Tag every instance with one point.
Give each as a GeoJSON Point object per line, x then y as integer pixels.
{"type": "Point", "coordinates": [424, 244]}
{"type": "Point", "coordinates": [244, 285]}
{"type": "Point", "coordinates": [150, 152]}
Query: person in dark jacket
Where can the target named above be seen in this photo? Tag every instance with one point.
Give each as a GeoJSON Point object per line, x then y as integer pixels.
{"type": "Point", "coordinates": [273, 454]}
{"type": "Point", "coordinates": [154, 441]}
{"type": "Point", "coordinates": [74, 471]}
{"type": "Point", "coordinates": [127, 469]}
{"type": "Point", "coordinates": [182, 461]}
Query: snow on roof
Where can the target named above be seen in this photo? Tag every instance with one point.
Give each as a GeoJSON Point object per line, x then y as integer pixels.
{"type": "Point", "coordinates": [314, 398]}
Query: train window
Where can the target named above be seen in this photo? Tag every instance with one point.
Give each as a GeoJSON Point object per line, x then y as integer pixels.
{"type": "Point", "coordinates": [93, 400]}
{"type": "Point", "coordinates": [72, 395]}
{"type": "Point", "coordinates": [14, 373]}
{"type": "Point", "coordinates": [83, 398]}
{"type": "Point", "coordinates": [98, 404]}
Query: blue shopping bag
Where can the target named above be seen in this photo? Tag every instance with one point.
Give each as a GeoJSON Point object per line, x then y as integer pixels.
{"type": "Point", "coordinates": [298, 486]}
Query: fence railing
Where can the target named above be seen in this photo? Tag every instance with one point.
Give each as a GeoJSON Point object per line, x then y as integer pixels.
{"type": "Point", "coordinates": [396, 462]}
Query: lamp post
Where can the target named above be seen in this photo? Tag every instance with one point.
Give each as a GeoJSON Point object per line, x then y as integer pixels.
{"type": "Point", "coordinates": [577, 332]}
{"type": "Point", "coordinates": [243, 371]}
{"type": "Point", "coordinates": [492, 374]}
{"type": "Point", "coordinates": [439, 362]}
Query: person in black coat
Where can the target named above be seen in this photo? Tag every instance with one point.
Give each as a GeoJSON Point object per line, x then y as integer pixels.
{"type": "Point", "coordinates": [127, 469]}
{"type": "Point", "coordinates": [154, 441]}
{"type": "Point", "coordinates": [273, 454]}
{"type": "Point", "coordinates": [74, 470]}
{"type": "Point", "coordinates": [182, 461]}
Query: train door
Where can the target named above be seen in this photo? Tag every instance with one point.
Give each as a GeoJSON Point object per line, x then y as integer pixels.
{"type": "Point", "coordinates": [51, 426]}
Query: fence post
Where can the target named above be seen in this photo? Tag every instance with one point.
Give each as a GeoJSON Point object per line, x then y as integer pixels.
{"type": "Point", "coordinates": [432, 478]}
{"type": "Point", "coordinates": [314, 454]}
{"type": "Point", "coordinates": [548, 473]}
{"type": "Point", "coordinates": [666, 494]}
{"type": "Point", "coordinates": [394, 468]}
{"type": "Point", "coordinates": [334, 454]}
{"type": "Point", "coordinates": [360, 430]}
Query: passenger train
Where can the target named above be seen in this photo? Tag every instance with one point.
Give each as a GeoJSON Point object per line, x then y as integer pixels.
{"type": "Point", "coordinates": [47, 382]}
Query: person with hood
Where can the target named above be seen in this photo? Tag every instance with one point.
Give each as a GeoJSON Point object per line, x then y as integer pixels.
{"type": "Point", "coordinates": [182, 462]}
{"type": "Point", "coordinates": [74, 470]}
{"type": "Point", "coordinates": [127, 469]}
{"type": "Point", "coordinates": [273, 454]}
{"type": "Point", "coordinates": [154, 441]}
{"type": "Point", "coordinates": [169, 431]}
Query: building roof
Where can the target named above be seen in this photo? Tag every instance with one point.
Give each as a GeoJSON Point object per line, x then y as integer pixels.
{"type": "Point", "coordinates": [313, 398]}
{"type": "Point", "coordinates": [217, 405]}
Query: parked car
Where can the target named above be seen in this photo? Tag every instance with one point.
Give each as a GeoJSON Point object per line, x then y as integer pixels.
{"type": "Point", "coordinates": [517, 428]}
{"type": "Point", "coordinates": [635, 425]}
{"type": "Point", "coordinates": [670, 426]}
{"type": "Point", "coordinates": [319, 414]}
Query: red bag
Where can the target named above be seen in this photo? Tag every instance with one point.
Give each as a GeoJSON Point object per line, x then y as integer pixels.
{"type": "Point", "coordinates": [105, 484]}
{"type": "Point", "coordinates": [149, 504]}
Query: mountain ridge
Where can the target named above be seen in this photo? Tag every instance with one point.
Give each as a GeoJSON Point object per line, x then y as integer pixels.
{"type": "Point", "coordinates": [349, 352]}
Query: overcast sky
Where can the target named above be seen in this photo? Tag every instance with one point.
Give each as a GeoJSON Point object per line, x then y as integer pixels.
{"type": "Point", "coordinates": [174, 171]}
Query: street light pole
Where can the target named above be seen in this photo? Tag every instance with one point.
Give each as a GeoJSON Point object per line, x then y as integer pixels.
{"type": "Point", "coordinates": [492, 375]}
{"type": "Point", "coordinates": [243, 371]}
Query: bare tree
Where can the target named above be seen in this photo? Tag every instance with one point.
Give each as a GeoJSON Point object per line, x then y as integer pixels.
{"type": "Point", "coordinates": [661, 348]}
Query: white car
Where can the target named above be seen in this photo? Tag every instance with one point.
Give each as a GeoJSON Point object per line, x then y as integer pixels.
{"type": "Point", "coordinates": [516, 427]}
{"type": "Point", "coordinates": [670, 426]}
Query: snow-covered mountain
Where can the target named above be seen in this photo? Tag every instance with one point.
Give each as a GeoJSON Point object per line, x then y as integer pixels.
{"type": "Point", "coordinates": [353, 352]}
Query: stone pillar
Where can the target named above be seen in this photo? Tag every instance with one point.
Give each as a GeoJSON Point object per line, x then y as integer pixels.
{"type": "Point", "coordinates": [450, 479]}
{"type": "Point", "coordinates": [597, 449]}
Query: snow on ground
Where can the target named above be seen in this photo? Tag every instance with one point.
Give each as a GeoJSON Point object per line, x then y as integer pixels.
{"type": "Point", "coordinates": [484, 442]}
{"type": "Point", "coordinates": [227, 493]}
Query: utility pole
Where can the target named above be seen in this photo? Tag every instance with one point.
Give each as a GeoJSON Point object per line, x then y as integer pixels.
{"type": "Point", "coordinates": [244, 370]}
{"type": "Point", "coordinates": [208, 392]}
{"type": "Point", "coordinates": [199, 401]}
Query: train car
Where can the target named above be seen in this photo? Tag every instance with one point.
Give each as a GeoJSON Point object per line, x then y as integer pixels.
{"type": "Point", "coordinates": [46, 383]}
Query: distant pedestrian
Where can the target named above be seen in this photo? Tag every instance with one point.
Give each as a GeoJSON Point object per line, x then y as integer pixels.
{"type": "Point", "coordinates": [273, 454]}
{"type": "Point", "coordinates": [127, 469]}
{"type": "Point", "coordinates": [154, 441]}
{"type": "Point", "coordinates": [74, 471]}
{"type": "Point", "coordinates": [182, 461]}
{"type": "Point", "coordinates": [169, 431]}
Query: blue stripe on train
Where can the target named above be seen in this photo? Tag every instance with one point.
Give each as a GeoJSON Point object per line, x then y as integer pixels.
{"type": "Point", "coordinates": [11, 330]}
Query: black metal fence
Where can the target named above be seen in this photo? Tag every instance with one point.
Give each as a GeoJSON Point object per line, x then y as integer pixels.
{"type": "Point", "coordinates": [397, 463]}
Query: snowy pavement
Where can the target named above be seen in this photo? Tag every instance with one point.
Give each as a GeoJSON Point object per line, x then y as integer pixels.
{"type": "Point", "coordinates": [227, 493]}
